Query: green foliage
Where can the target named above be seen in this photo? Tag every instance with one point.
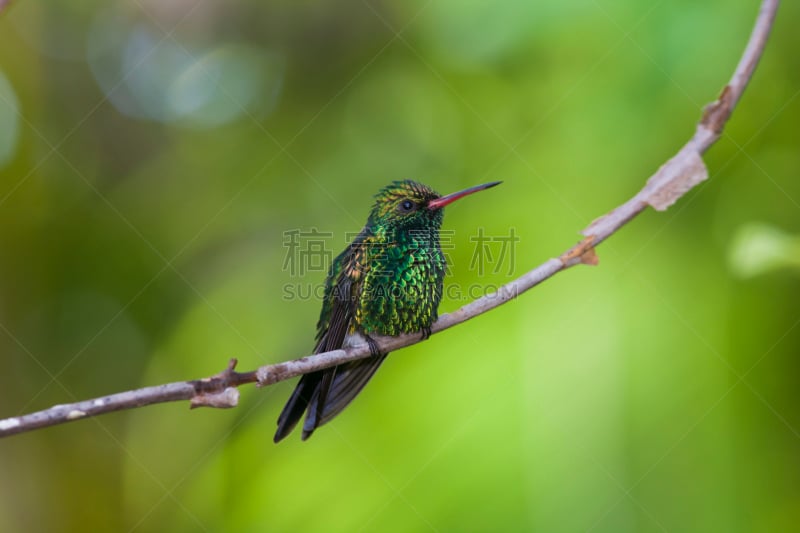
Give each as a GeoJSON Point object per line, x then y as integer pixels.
{"type": "Point", "coordinates": [655, 392]}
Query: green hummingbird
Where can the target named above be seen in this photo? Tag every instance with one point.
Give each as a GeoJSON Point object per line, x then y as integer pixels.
{"type": "Point", "coordinates": [387, 281]}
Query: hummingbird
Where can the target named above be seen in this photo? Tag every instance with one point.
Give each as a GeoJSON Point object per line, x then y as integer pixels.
{"type": "Point", "coordinates": [387, 281]}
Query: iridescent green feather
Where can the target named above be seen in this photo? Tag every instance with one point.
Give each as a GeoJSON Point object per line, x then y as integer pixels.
{"type": "Point", "coordinates": [395, 265]}
{"type": "Point", "coordinates": [403, 283]}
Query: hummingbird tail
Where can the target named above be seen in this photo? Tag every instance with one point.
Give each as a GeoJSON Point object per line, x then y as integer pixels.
{"type": "Point", "coordinates": [297, 404]}
{"type": "Point", "coordinates": [344, 383]}
{"type": "Point", "coordinates": [337, 386]}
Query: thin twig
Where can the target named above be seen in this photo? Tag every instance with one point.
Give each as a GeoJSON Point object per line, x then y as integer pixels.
{"type": "Point", "coordinates": [685, 170]}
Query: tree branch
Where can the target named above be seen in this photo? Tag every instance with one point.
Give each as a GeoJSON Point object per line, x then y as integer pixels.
{"type": "Point", "coordinates": [682, 172]}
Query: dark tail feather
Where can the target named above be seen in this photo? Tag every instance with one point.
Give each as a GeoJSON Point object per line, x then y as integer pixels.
{"type": "Point", "coordinates": [296, 406]}
{"type": "Point", "coordinates": [343, 383]}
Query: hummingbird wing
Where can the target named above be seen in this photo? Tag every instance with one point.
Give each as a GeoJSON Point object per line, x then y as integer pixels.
{"type": "Point", "coordinates": [332, 339]}
{"type": "Point", "coordinates": [313, 388]}
{"type": "Point", "coordinates": [324, 394]}
{"type": "Point", "coordinates": [310, 385]}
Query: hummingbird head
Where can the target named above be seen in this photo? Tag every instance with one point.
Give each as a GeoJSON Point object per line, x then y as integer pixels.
{"type": "Point", "coordinates": [409, 205]}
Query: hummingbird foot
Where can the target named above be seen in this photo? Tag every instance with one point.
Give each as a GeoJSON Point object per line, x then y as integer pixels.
{"type": "Point", "coordinates": [425, 333]}
{"type": "Point", "coordinates": [374, 350]}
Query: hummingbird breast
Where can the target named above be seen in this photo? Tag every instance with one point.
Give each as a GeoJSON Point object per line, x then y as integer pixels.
{"type": "Point", "coordinates": [402, 284]}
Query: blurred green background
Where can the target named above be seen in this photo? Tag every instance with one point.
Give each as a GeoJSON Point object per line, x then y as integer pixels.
{"type": "Point", "coordinates": [153, 157]}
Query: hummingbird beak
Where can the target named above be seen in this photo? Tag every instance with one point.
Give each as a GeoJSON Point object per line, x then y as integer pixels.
{"type": "Point", "coordinates": [438, 203]}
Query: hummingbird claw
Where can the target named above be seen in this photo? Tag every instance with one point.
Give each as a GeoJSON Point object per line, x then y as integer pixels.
{"type": "Point", "coordinates": [425, 333]}
{"type": "Point", "coordinates": [373, 346]}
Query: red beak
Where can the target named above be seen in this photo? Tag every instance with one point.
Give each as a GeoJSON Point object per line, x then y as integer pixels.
{"type": "Point", "coordinates": [438, 203]}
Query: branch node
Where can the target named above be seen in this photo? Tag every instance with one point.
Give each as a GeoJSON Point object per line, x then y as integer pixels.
{"type": "Point", "coordinates": [716, 114]}
{"type": "Point", "coordinates": [219, 380]}
{"type": "Point", "coordinates": [267, 375]}
{"type": "Point", "coordinates": [589, 257]}
{"type": "Point", "coordinates": [221, 400]}
{"type": "Point", "coordinates": [583, 253]}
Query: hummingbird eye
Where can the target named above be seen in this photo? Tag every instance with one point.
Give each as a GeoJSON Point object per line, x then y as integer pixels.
{"type": "Point", "coordinates": [406, 206]}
